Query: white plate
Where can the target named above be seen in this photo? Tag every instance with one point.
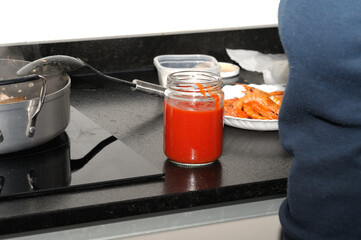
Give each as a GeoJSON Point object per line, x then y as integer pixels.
{"type": "Point", "coordinates": [232, 91]}
{"type": "Point", "coordinates": [251, 124]}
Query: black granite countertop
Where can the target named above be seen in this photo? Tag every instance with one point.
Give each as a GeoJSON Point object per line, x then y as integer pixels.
{"type": "Point", "coordinates": [253, 165]}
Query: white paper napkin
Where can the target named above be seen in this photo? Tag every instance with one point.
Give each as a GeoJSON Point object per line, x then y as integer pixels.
{"type": "Point", "coordinates": [273, 66]}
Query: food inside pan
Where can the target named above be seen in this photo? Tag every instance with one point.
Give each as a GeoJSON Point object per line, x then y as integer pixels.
{"type": "Point", "coordinates": [24, 91]}
{"type": "Point", "coordinates": [5, 99]}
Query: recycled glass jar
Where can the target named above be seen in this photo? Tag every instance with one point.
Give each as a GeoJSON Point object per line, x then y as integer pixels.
{"type": "Point", "coordinates": [193, 118]}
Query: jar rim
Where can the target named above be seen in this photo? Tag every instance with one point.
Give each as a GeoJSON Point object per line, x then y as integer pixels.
{"type": "Point", "coordinates": [189, 80]}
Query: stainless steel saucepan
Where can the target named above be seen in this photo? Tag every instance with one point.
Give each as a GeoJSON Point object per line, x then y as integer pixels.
{"type": "Point", "coordinates": [42, 115]}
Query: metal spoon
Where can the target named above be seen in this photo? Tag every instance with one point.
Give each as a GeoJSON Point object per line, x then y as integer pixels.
{"type": "Point", "coordinates": [64, 64]}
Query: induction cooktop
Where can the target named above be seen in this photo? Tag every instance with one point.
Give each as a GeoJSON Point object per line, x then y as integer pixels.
{"type": "Point", "coordinates": [85, 156]}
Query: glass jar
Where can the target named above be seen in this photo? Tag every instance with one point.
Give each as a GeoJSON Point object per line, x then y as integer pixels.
{"type": "Point", "coordinates": [193, 118]}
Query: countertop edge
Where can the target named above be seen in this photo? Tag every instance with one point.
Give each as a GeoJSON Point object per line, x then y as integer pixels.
{"type": "Point", "coordinates": [184, 201]}
{"type": "Point", "coordinates": [153, 223]}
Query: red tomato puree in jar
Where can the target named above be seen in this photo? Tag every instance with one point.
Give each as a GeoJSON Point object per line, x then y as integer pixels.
{"type": "Point", "coordinates": [193, 131]}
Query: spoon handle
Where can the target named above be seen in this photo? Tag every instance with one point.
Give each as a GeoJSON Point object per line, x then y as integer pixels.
{"type": "Point", "coordinates": [100, 74]}
{"type": "Point", "coordinates": [149, 88]}
{"type": "Point", "coordinates": [136, 84]}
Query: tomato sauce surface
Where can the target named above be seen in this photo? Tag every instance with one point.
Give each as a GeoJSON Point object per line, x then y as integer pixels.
{"type": "Point", "coordinates": [193, 131]}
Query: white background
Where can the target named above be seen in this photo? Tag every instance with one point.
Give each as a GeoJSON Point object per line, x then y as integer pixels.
{"type": "Point", "coordinates": [35, 21]}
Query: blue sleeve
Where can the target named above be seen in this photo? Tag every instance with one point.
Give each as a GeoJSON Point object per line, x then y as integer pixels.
{"type": "Point", "coordinates": [320, 118]}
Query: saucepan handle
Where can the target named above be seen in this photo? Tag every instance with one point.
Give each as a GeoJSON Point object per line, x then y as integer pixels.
{"type": "Point", "coordinates": [19, 79]}
{"type": "Point", "coordinates": [30, 130]}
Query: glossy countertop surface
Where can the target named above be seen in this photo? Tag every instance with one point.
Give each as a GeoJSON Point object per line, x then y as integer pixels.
{"type": "Point", "coordinates": [253, 164]}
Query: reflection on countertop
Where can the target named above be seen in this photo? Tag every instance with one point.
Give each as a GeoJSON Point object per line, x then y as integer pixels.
{"type": "Point", "coordinates": [184, 179]}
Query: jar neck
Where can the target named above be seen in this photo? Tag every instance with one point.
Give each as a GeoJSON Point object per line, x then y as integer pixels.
{"type": "Point", "coordinates": [194, 81]}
